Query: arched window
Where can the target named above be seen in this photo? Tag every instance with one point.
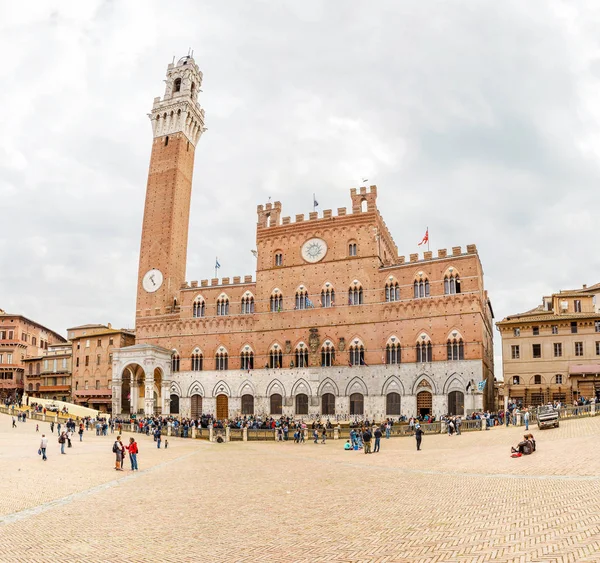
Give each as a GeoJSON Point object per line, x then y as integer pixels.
{"type": "Point", "coordinates": [328, 404]}
{"type": "Point", "coordinates": [247, 360]}
{"type": "Point", "coordinates": [424, 352]}
{"type": "Point", "coordinates": [166, 140]}
{"type": "Point", "coordinates": [223, 306]}
{"type": "Point", "coordinates": [247, 404]}
{"type": "Point", "coordinates": [199, 307]}
{"type": "Point", "coordinates": [30, 369]}
{"type": "Point", "coordinates": [364, 206]}
{"type": "Point", "coordinates": [357, 404]}
{"type": "Point", "coordinates": [537, 379]}
{"type": "Point", "coordinates": [197, 360]}
{"type": "Point", "coordinates": [193, 90]}
{"type": "Point", "coordinates": [355, 294]}
{"type": "Point", "coordinates": [276, 404]}
{"type": "Point", "coordinates": [516, 380]}
{"type": "Point", "coordinates": [421, 288]}
{"type": "Point", "coordinates": [451, 283]}
{"type": "Point", "coordinates": [455, 349]}
{"type": "Point", "coordinates": [327, 296]}
{"type": "Point", "coordinates": [276, 302]}
{"type": "Point", "coordinates": [222, 360]}
{"type": "Point", "coordinates": [559, 379]}
{"type": "Point", "coordinates": [301, 404]}
{"type": "Point", "coordinates": [352, 249]}
{"type": "Point", "coordinates": [356, 354]}
{"type": "Point", "coordinates": [177, 85]}
{"type": "Point", "coordinates": [38, 368]}
{"type": "Point", "coordinates": [30, 387]}
{"type": "Point", "coordinates": [301, 356]}
{"type": "Point", "coordinates": [302, 300]}
{"type": "Point", "coordinates": [392, 291]}
{"type": "Point", "coordinates": [275, 358]}
{"type": "Point", "coordinates": [175, 359]}
{"type": "Point", "coordinates": [327, 354]}
{"type": "Point", "coordinates": [392, 351]}
{"type": "Point", "coordinates": [247, 304]}
{"type": "Point", "coordinates": [279, 259]}
{"type": "Point", "coordinates": [392, 404]}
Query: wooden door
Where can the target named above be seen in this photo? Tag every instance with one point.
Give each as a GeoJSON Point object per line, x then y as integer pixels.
{"type": "Point", "coordinates": [196, 406]}
{"type": "Point", "coordinates": [424, 403]}
{"type": "Point", "coordinates": [222, 407]}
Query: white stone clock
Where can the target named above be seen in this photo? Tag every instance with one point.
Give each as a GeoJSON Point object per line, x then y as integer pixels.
{"type": "Point", "coordinates": [152, 280]}
{"type": "Point", "coordinates": [314, 250]}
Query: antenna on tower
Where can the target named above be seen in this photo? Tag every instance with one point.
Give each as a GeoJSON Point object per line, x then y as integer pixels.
{"type": "Point", "coordinates": [189, 51]}
{"type": "Point", "coordinates": [173, 60]}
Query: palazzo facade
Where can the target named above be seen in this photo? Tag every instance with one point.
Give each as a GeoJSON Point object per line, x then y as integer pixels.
{"type": "Point", "coordinates": [335, 322]}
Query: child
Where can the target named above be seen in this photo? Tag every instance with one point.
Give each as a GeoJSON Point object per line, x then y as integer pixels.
{"type": "Point", "coordinates": [37, 427]}
{"type": "Point", "coordinates": [166, 444]}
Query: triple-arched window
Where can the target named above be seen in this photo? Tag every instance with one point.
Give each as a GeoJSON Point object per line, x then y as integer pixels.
{"type": "Point", "coordinates": [175, 361]}
{"type": "Point", "coordinates": [247, 359]}
{"type": "Point", "coordinates": [199, 307]}
{"type": "Point", "coordinates": [247, 304]}
{"type": "Point", "coordinates": [455, 349]}
{"type": "Point", "coordinates": [356, 354]}
{"type": "Point", "coordinates": [223, 306]}
{"type": "Point", "coordinates": [197, 360]}
{"type": "Point", "coordinates": [327, 354]}
{"type": "Point", "coordinates": [392, 291]}
{"type": "Point", "coordinates": [301, 355]}
{"type": "Point", "coordinates": [424, 352]}
{"type": "Point", "coordinates": [222, 360]}
{"type": "Point", "coordinates": [276, 302]}
{"type": "Point", "coordinates": [327, 296]}
{"type": "Point", "coordinates": [355, 294]}
{"type": "Point", "coordinates": [302, 300]}
{"type": "Point", "coordinates": [392, 352]}
{"type": "Point", "coordinates": [275, 358]}
{"type": "Point", "coordinates": [421, 288]}
{"type": "Point", "coordinates": [451, 283]}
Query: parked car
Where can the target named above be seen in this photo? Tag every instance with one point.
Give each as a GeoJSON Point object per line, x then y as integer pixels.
{"type": "Point", "coordinates": [547, 416]}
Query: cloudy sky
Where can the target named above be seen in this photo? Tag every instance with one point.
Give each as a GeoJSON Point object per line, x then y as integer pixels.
{"type": "Point", "coordinates": [479, 119]}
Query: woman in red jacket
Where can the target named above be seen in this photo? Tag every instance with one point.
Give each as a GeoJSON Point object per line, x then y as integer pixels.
{"type": "Point", "coordinates": [132, 448]}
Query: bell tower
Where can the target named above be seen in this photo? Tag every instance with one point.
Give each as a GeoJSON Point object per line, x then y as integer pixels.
{"type": "Point", "coordinates": [177, 124]}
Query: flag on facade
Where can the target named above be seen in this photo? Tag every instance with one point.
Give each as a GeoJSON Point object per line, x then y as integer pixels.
{"type": "Point", "coordinates": [481, 385]}
{"type": "Point", "coordinates": [425, 238]}
{"type": "Point", "coordinates": [254, 253]}
{"type": "Point", "coordinates": [217, 265]}
{"type": "Point", "coordinates": [315, 202]}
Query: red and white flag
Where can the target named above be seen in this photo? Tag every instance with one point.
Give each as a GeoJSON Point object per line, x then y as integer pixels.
{"type": "Point", "coordinates": [425, 238]}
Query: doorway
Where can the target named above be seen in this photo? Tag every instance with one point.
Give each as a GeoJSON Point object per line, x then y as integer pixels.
{"type": "Point", "coordinates": [222, 407]}
{"type": "Point", "coordinates": [424, 403]}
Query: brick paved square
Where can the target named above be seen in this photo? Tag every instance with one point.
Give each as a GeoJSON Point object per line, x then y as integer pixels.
{"type": "Point", "coordinates": [461, 499]}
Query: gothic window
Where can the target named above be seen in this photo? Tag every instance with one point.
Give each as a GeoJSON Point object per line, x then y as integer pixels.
{"type": "Point", "coordinates": [276, 302]}
{"type": "Point", "coordinates": [247, 404]}
{"type": "Point", "coordinates": [302, 300]}
{"type": "Point", "coordinates": [327, 297]}
{"type": "Point", "coordinates": [197, 360]}
{"type": "Point", "coordinates": [355, 295]}
{"type": "Point", "coordinates": [392, 353]}
{"type": "Point", "coordinates": [278, 259]}
{"type": "Point", "coordinates": [392, 291]}
{"type": "Point", "coordinates": [275, 358]}
{"type": "Point", "coordinates": [451, 284]}
{"type": "Point", "coordinates": [357, 402]}
{"type": "Point", "coordinates": [392, 403]}
{"type": "Point", "coordinates": [177, 85]}
{"type": "Point", "coordinates": [223, 306]}
{"type": "Point", "coordinates": [222, 360]}
{"type": "Point", "coordinates": [455, 349]}
{"type": "Point", "coordinates": [301, 404]}
{"type": "Point", "coordinates": [199, 307]}
{"type": "Point", "coordinates": [175, 360]}
{"type": "Point", "coordinates": [301, 356]}
{"type": "Point", "coordinates": [247, 304]}
{"type": "Point", "coordinates": [327, 355]}
{"type": "Point", "coordinates": [247, 360]}
{"type": "Point", "coordinates": [328, 404]}
{"type": "Point", "coordinates": [276, 404]}
{"type": "Point", "coordinates": [421, 288]}
{"type": "Point", "coordinates": [356, 354]}
{"type": "Point", "coordinates": [424, 352]}
{"type": "Point", "coordinates": [352, 249]}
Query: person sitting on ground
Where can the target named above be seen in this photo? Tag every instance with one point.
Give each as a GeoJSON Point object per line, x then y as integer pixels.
{"type": "Point", "coordinates": [530, 437]}
{"type": "Point", "coordinates": [347, 445]}
{"type": "Point", "coordinates": [524, 447]}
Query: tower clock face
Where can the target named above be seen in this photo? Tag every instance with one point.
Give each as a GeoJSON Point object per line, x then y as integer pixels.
{"type": "Point", "coordinates": [314, 250]}
{"type": "Point", "coordinates": [152, 280]}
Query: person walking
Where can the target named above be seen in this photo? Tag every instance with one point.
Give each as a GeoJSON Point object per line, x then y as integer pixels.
{"type": "Point", "coordinates": [157, 436]}
{"type": "Point", "coordinates": [132, 448]}
{"type": "Point", "coordinates": [44, 446]}
{"type": "Point", "coordinates": [323, 435]}
{"type": "Point", "coordinates": [52, 427]}
{"type": "Point", "coordinates": [418, 436]}
{"type": "Point", "coordinates": [388, 430]}
{"type": "Point", "coordinates": [316, 436]}
{"type": "Point", "coordinates": [61, 440]}
{"type": "Point", "coordinates": [81, 432]}
{"type": "Point", "coordinates": [14, 422]}
{"type": "Point", "coordinates": [378, 434]}
{"type": "Point", "coordinates": [37, 427]}
{"type": "Point", "coordinates": [526, 419]}
{"type": "Point", "coordinates": [367, 440]}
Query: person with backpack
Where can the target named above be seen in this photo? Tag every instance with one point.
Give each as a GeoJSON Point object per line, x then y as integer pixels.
{"type": "Point", "coordinates": [367, 440]}
{"type": "Point", "coordinates": [118, 450]}
{"type": "Point", "coordinates": [157, 436]}
{"type": "Point", "coordinates": [133, 450]}
{"type": "Point", "coordinates": [62, 440]}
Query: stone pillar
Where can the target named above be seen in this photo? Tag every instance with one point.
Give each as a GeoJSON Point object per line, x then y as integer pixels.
{"type": "Point", "coordinates": [211, 434]}
{"type": "Point", "coordinates": [134, 395]}
{"type": "Point", "coordinates": [443, 427]}
{"type": "Point", "coordinates": [149, 394]}
{"type": "Point", "coordinates": [336, 433]}
{"type": "Point", "coordinates": [169, 429]}
{"type": "Point", "coordinates": [194, 432]}
{"type": "Point", "coordinates": [165, 398]}
{"type": "Point", "coordinates": [227, 433]}
{"type": "Point", "coordinates": [519, 419]}
{"type": "Point", "coordinates": [116, 396]}
{"type": "Point", "coordinates": [245, 434]}
{"type": "Point", "coordinates": [593, 409]}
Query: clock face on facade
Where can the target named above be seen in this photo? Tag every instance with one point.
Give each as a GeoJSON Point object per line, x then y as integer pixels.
{"type": "Point", "coordinates": [314, 250]}
{"type": "Point", "coordinates": [152, 280]}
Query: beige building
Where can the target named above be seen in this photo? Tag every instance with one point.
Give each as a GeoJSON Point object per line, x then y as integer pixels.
{"type": "Point", "coordinates": [20, 338]}
{"type": "Point", "coordinates": [553, 351]}
{"type": "Point", "coordinates": [48, 375]}
{"type": "Point", "coordinates": [93, 347]}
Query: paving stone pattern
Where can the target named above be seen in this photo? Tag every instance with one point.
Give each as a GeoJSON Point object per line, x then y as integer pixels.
{"type": "Point", "coordinates": [461, 499]}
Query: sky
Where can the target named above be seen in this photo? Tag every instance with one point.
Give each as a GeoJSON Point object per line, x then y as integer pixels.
{"type": "Point", "coordinates": [478, 119]}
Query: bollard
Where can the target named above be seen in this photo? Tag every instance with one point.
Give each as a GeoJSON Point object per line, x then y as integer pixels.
{"type": "Point", "coordinates": [194, 432]}
{"type": "Point", "coordinates": [519, 419]}
{"type": "Point", "coordinates": [211, 434]}
{"type": "Point", "coordinates": [227, 433]}
{"type": "Point", "coordinates": [336, 433]}
{"type": "Point", "coordinates": [168, 431]}
{"type": "Point", "coordinates": [245, 434]}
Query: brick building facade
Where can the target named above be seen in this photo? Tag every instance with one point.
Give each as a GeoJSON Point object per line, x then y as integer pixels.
{"type": "Point", "coordinates": [335, 322]}
{"type": "Point", "coordinates": [552, 352]}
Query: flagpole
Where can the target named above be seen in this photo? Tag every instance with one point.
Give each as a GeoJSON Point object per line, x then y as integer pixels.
{"type": "Point", "coordinates": [216, 262]}
{"type": "Point", "coordinates": [427, 239]}
{"type": "Point", "coordinates": [314, 200]}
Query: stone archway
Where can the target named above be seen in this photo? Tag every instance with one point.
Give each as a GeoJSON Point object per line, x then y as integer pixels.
{"type": "Point", "coordinates": [132, 389]}
{"type": "Point", "coordinates": [424, 403]}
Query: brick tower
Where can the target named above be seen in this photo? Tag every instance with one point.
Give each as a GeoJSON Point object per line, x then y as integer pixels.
{"type": "Point", "coordinates": [177, 124]}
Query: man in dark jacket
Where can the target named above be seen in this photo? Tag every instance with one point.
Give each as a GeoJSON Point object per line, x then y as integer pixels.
{"type": "Point", "coordinates": [367, 440]}
{"type": "Point", "coordinates": [378, 434]}
{"type": "Point", "coordinates": [418, 436]}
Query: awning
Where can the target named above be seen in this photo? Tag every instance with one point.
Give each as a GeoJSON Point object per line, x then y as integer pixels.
{"type": "Point", "coordinates": [584, 368]}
